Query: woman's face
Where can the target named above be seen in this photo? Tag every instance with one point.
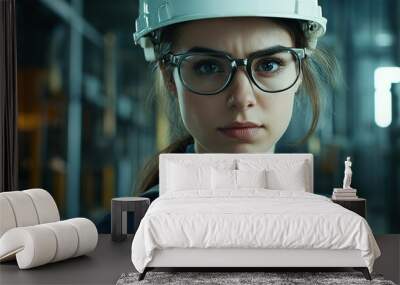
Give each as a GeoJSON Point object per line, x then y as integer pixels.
{"type": "Point", "coordinates": [241, 101]}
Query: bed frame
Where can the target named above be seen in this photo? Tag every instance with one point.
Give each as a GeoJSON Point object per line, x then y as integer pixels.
{"type": "Point", "coordinates": [244, 259]}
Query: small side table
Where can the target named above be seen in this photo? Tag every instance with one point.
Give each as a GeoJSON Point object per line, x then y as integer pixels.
{"type": "Point", "coordinates": [119, 209]}
{"type": "Point", "coordinates": [357, 205]}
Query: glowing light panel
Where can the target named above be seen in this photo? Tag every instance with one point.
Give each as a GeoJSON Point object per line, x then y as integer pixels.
{"type": "Point", "coordinates": [384, 78]}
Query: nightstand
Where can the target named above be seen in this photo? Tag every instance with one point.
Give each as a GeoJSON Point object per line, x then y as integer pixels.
{"type": "Point", "coordinates": [357, 205]}
{"type": "Point", "coordinates": [119, 209]}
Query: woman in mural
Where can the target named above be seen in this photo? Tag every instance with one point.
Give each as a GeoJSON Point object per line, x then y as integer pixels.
{"type": "Point", "coordinates": [231, 70]}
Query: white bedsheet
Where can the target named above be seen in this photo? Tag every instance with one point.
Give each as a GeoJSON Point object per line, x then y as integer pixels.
{"type": "Point", "coordinates": [250, 218]}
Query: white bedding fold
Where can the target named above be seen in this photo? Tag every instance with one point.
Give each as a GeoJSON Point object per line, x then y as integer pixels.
{"type": "Point", "coordinates": [250, 218]}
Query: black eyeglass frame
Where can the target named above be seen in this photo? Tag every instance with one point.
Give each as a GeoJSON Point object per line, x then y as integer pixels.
{"type": "Point", "coordinates": [177, 59]}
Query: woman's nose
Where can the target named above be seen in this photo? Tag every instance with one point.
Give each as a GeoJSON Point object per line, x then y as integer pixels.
{"type": "Point", "coordinates": [241, 93]}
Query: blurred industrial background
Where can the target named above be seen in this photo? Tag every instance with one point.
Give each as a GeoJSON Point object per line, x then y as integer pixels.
{"type": "Point", "coordinates": [86, 126]}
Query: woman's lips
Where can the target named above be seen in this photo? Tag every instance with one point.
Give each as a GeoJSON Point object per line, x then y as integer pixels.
{"type": "Point", "coordinates": [246, 133]}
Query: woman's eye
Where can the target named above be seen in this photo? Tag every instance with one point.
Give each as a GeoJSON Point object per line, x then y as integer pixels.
{"type": "Point", "coordinates": [269, 66]}
{"type": "Point", "coordinates": [207, 68]}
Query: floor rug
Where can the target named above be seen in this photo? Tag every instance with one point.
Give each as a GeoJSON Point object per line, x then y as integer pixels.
{"type": "Point", "coordinates": [242, 278]}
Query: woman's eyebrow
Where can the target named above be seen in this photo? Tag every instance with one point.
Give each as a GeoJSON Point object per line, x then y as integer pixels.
{"type": "Point", "coordinates": [206, 49]}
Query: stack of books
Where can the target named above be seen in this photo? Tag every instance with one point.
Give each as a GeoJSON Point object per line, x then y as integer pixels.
{"type": "Point", "coordinates": [344, 194]}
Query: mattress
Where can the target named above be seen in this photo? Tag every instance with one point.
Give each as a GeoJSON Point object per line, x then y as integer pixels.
{"type": "Point", "coordinates": [252, 218]}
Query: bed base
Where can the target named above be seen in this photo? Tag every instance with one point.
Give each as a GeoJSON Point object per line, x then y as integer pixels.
{"type": "Point", "coordinates": [244, 259]}
{"type": "Point", "coordinates": [364, 270]}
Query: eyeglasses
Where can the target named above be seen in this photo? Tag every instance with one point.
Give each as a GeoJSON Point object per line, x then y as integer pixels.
{"type": "Point", "coordinates": [272, 70]}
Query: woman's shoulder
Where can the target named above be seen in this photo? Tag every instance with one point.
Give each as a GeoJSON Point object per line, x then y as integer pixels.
{"type": "Point", "coordinates": [151, 193]}
{"type": "Point", "coordinates": [190, 148]}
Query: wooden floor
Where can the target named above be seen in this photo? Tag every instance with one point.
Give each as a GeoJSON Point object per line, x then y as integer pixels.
{"type": "Point", "coordinates": [110, 259]}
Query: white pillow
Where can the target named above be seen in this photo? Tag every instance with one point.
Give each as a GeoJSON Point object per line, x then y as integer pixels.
{"type": "Point", "coordinates": [288, 179]}
{"type": "Point", "coordinates": [251, 178]}
{"type": "Point", "coordinates": [230, 179]}
{"type": "Point", "coordinates": [181, 178]}
{"type": "Point", "coordinates": [282, 174]}
{"type": "Point", "coordinates": [223, 179]}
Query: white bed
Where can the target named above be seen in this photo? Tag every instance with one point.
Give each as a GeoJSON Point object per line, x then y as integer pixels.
{"type": "Point", "coordinates": [201, 223]}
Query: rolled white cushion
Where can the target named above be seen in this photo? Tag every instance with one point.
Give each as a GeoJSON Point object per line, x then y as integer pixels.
{"type": "Point", "coordinates": [40, 244]}
{"type": "Point", "coordinates": [45, 205]}
{"type": "Point", "coordinates": [7, 218]}
{"type": "Point", "coordinates": [26, 208]}
{"type": "Point", "coordinates": [67, 240]}
{"type": "Point", "coordinates": [23, 208]}
{"type": "Point", "coordinates": [87, 235]}
{"type": "Point", "coordinates": [33, 245]}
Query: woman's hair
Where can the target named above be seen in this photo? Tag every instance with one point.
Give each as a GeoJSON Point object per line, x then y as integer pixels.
{"type": "Point", "coordinates": [320, 66]}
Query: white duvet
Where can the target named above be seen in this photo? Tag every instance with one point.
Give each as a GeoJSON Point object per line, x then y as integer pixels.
{"type": "Point", "coordinates": [250, 218]}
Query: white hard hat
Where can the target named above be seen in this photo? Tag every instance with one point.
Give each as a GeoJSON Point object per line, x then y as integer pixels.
{"type": "Point", "coordinates": [156, 14]}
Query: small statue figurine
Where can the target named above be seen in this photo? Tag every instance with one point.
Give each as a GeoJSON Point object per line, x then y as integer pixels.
{"type": "Point", "coordinates": [347, 192]}
{"type": "Point", "coordinates": [347, 174]}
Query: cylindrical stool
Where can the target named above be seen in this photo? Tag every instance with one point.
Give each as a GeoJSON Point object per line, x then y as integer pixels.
{"type": "Point", "coordinates": [119, 209]}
